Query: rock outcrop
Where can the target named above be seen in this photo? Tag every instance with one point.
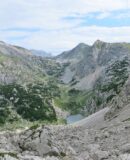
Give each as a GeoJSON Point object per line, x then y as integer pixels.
{"type": "Point", "coordinates": [108, 140]}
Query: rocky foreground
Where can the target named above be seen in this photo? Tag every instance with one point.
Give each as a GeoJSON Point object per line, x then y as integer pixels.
{"type": "Point", "coordinates": [108, 140]}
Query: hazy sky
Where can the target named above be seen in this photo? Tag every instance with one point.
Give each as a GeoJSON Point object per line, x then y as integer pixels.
{"type": "Point", "coordinates": [58, 25]}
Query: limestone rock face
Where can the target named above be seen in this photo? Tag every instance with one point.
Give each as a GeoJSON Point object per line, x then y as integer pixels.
{"type": "Point", "coordinates": [88, 63]}
{"type": "Point", "coordinates": [120, 102]}
{"type": "Point", "coordinates": [110, 141]}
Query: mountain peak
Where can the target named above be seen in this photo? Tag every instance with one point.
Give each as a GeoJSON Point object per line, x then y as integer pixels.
{"type": "Point", "coordinates": [98, 42]}
{"type": "Point", "coordinates": [2, 42]}
{"type": "Point", "coordinates": [81, 45]}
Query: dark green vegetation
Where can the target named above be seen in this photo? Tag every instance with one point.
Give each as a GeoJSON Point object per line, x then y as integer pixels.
{"type": "Point", "coordinates": [31, 102]}
{"type": "Point", "coordinates": [11, 154]}
{"type": "Point", "coordinates": [126, 120]}
{"type": "Point", "coordinates": [117, 74]}
{"type": "Point", "coordinates": [105, 90]}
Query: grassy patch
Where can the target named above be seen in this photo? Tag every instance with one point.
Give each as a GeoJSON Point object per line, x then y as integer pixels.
{"type": "Point", "coordinates": [72, 100]}
{"type": "Point", "coordinates": [127, 45]}
{"type": "Point", "coordinates": [11, 154]}
{"type": "Point", "coordinates": [3, 58]}
{"type": "Point", "coordinates": [126, 120]}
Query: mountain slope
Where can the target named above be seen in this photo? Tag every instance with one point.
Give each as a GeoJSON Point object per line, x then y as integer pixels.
{"type": "Point", "coordinates": [11, 50]}
{"type": "Point", "coordinates": [75, 54]}
{"type": "Point", "coordinates": [20, 65]}
{"type": "Point", "coordinates": [99, 74]}
{"type": "Point", "coordinates": [87, 63]}
{"type": "Point", "coordinates": [27, 85]}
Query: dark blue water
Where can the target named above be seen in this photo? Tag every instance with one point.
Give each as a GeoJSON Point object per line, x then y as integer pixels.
{"type": "Point", "coordinates": [74, 118]}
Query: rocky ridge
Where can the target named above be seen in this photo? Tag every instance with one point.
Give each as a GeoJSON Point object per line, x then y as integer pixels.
{"type": "Point", "coordinates": [88, 63]}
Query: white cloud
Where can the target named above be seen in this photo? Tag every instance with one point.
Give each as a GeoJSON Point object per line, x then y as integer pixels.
{"type": "Point", "coordinates": [57, 34]}
{"type": "Point", "coordinates": [67, 39]}
{"type": "Point", "coordinates": [48, 13]}
{"type": "Point", "coordinates": [104, 15]}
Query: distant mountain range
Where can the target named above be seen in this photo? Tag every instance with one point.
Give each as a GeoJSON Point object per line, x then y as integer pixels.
{"type": "Point", "coordinates": [41, 53]}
